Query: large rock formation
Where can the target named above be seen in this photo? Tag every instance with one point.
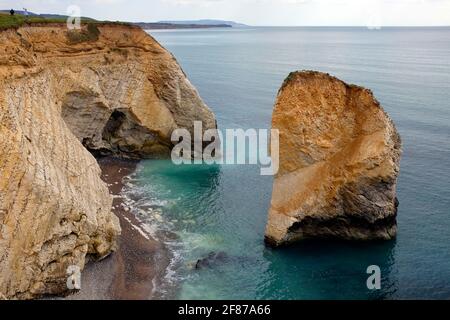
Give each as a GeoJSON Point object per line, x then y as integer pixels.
{"type": "Point", "coordinates": [111, 89]}
{"type": "Point", "coordinates": [339, 162]}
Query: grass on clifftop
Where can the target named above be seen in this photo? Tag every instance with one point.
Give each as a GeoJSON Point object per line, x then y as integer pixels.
{"type": "Point", "coordinates": [7, 21]}
{"type": "Point", "coordinates": [16, 21]}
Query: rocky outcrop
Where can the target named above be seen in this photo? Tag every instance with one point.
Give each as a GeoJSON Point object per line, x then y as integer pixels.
{"type": "Point", "coordinates": [115, 92]}
{"type": "Point", "coordinates": [339, 162]}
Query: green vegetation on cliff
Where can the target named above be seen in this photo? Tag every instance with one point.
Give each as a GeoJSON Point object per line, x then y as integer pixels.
{"type": "Point", "coordinates": [7, 21]}
{"type": "Point", "coordinates": [90, 34]}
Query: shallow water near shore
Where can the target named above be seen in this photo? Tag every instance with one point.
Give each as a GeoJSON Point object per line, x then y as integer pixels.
{"type": "Point", "coordinates": [198, 210]}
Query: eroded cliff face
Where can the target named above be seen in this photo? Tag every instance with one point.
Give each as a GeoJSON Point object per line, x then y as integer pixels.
{"type": "Point", "coordinates": [120, 93]}
{"type": "Point", "coordinates": [339, 162]}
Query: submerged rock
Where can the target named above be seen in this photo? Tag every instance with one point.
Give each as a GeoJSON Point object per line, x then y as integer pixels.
{"type": "Point", "coordinates": [117, 93]}
{"type": "Point", "coordinates": [339, 162]}
{"type": "Point", "coordinates": [212, 259]}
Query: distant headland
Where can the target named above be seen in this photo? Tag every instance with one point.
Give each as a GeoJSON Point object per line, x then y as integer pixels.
{"type": "Point", "coordinates": [166, 25]}
{"type": "Point", "coordinates": [206, 23]}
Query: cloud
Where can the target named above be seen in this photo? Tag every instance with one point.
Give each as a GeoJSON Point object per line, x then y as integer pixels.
{"type": "Point", "coordinates": [192, 2]}
{"type": "Point", "coordinates": [256, 12]}
{"type": "Point", "coordinates": [100, 2]}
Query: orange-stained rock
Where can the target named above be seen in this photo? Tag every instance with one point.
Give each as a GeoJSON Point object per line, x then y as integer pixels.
{"type": "Point", "coordinates": [339, 162]}
{"type": "Point", "coordinates": [118, 93]}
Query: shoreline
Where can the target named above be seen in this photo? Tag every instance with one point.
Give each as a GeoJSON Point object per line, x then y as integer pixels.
{"type": "Point", "coordinates": [140, 262]}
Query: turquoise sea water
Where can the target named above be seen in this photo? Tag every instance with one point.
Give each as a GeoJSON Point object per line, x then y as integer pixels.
{"type": "Point", "coordinates": [224, 208]}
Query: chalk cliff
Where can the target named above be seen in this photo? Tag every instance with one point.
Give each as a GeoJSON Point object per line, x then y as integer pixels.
{"type": "Point", "coordinates": [109, 89]}
{"type": "Point", "coordinates": [339, 162]}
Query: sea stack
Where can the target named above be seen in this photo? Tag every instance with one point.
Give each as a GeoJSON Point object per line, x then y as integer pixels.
{"type": "Point", "coordinates": [339, 163]}
{"type": "Point", "coordinates": [110, 89]}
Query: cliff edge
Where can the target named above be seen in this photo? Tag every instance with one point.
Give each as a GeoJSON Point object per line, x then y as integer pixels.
{"type": "Point", "coordinates": [110, 89]}
{"type": "Point", "coordinates": [339, 162]}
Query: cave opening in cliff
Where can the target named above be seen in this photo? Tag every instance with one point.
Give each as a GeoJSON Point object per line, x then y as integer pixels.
{"type": "Point", "coordinates": [109, 136]}
{"type": "Point", "coordinates": [115, 122]}
{"type": "Point", "coordinates": [105, 132]}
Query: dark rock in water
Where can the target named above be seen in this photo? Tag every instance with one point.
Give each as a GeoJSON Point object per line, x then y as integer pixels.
{"type": "Point", "coordinates": [213, 258]}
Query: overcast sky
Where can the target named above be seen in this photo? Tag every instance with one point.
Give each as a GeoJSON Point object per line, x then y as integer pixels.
{"type": "Point", "coordinates": [257, 12]}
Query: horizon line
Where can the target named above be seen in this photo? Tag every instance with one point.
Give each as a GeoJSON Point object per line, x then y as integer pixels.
{"type": "Point", "coordinates": [348, 26]}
